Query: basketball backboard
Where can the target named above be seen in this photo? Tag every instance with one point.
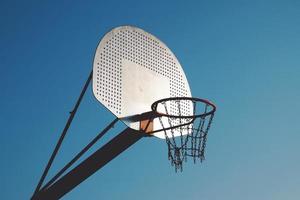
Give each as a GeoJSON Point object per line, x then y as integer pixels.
{"type": "Point", "coordinates": [132, 69]}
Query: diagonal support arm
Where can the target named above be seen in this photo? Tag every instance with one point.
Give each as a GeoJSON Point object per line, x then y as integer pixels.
{"type": "Point", "coordinates": [90, 165]}
{"type": "Point", "coordinates": [63, 134]}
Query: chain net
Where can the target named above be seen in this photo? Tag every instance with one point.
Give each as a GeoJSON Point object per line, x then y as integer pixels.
{"type": "Point", "coordinates": [189, 135]}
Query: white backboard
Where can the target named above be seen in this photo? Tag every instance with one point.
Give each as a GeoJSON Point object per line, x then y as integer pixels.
{"type": "Point", "coordinates": [132, 69]}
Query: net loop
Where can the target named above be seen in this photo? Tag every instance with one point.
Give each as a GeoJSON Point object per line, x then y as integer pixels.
{"type": "Point", "coordinates": [191, 119]}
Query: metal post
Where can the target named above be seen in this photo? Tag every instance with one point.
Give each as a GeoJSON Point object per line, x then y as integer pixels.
{"type": "Point", "coordinates": [90, 165]}
{"type": "Point", "coordinates": [63, 134]}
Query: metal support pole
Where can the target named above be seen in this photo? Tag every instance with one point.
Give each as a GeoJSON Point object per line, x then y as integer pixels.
{"type": "Point", "coordinates": [90, 165]}
{"type": "Point", "coordinates": [81, 153]}
{"type": "Point", "coordinates": [63, 134]}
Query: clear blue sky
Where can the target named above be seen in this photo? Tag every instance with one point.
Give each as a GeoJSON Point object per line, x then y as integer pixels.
{"type": "Point", "coordinates": [243, 55]}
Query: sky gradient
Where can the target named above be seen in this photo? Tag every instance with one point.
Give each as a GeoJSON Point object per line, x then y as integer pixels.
{"type": "Point", "coordinates": [242, 55]}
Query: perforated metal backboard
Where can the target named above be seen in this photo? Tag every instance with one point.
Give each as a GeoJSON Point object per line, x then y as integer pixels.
{"type": "Point", "coordinates": [131, 70]}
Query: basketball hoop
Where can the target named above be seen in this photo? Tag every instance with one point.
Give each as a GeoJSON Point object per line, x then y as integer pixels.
{"type": "Point", "coordinates": [188, 136]}
{"type": "Point", "coordinates": [132, 69]}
